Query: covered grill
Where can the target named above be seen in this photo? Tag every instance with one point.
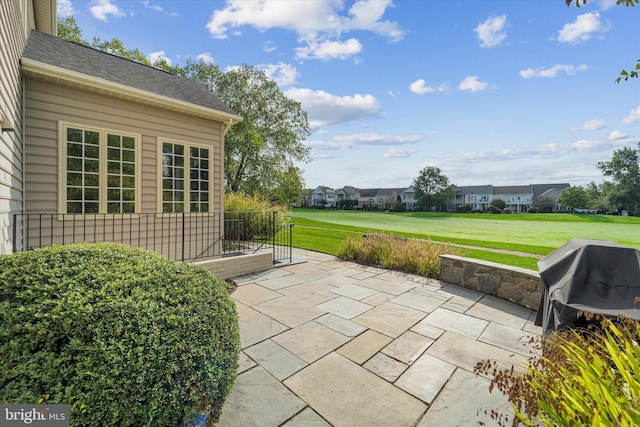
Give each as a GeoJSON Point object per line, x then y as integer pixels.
{"type": "Point", "coordinates": [594, 276]}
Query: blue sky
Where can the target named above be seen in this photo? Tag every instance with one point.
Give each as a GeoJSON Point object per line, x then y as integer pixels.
{"type": "Point", "coordinates": [505, 92]}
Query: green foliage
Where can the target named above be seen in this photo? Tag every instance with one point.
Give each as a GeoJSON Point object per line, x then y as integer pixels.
{"type": "Point", "coordinates": [250, 217]}
{"type": "Point", "coordinates": [624, 169]}
{"type": "Point", "coordinates": [585, 377]}
{"type": "Point", "coordinates": [396, 253]}
{"type": "Point", "coordinates": [260, 151]}
{"type": "Point", "coordinates": [68, 30]}
{"type": "Point", "coordinates": [500, 204]}
{"type": "Point", "coordinates": [573, 197]}
{"type": "Point", "coordinates": [432, 188]}
{"type": "Point", "coordinates": [123, 335]}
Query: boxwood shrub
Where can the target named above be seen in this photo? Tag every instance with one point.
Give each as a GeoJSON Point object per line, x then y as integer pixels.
{"type": "Point", "coordinates": [123, 335]}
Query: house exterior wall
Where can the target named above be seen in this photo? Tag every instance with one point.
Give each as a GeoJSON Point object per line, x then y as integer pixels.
{"type": "Point", "coordinates": [48, 104]}
{"type": "Point", "coordinates": [15, 16]}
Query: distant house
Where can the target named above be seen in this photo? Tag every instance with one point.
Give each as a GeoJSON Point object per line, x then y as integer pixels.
{"type": "Point", "coordinates": [517, 198]}
{"type": "Point", "coordinates": [408, 198]}
{"type": "Point", "coordinates": [323, 196]}
{"type": "Point", "coordinates": [95, 135]}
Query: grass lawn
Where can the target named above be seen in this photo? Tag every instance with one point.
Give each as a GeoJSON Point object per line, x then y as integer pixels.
{"type": "Point", "coordinates": [537, 234]}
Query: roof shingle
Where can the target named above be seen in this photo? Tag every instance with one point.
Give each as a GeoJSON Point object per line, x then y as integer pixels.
{"type": "Point", "coordinates": [82, 59]}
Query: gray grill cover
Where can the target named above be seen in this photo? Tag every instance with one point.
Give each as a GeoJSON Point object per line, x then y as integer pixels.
{"type": "Point", "coordinates": [595, 276]}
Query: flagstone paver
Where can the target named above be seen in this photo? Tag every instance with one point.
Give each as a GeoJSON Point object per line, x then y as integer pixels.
{"type": "Point", "coordinates": [254, 294]}
{"type": "Point", "coordinates": [311, 341]}
{"type": "Point", "coordinates": [456, 322]}
{"type": "Point", "coordinates": [275, 359]}
{"type": "Point", "coordinates": [289, 311]}
{"type": "Point", "coordinates": [339, 324]}
{"type": "Point", "coordinates": [332, 343]}
{"type": "Point", "coordinates": [354, 291]}
{"type": "Point", "coordinates": [307, 418]}
{"type": "Point", "coordinates": [385, 286]}
{"type": "Point", "coordinates": [259, 400]}
{"type": "Point", "coordinates": [408, 347]}
{"type": "Point", "coordinates": [390, 319]}
{"type": "Point", "coordinates": [345, 307]}
{"type": "Point", "coordinates": [466, 352]}
{"type": "Point", "coordinates": [420, 301]}
{"type": "Point", "coordinates": [508, 338]}
{"type": "Point", "coordinates": [500, 311]}
{"type": "Point", "coordinates": [364, 346]}
{"type": "Point", "coordinates": [347, 395]}
{"type": "Point", "coordinates": [255, 326]}
{"type": "Point", "coordinates": [245, 363]}
{"type": "Point", "coordinates": [426, 377]}
{"type": "Point", "coordinates": [385, 367]}
{"type": "Point", "coordinates": [462, 403]}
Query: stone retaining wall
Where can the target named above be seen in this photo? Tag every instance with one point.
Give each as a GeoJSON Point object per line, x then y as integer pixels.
{"type": "Point", "coordinates": [239, 265]}
{"type": "Point", "coordinates": [515, 284]}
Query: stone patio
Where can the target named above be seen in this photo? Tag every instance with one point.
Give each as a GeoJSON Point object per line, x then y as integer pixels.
{"type": "Point", "coordinates": [332, 343]}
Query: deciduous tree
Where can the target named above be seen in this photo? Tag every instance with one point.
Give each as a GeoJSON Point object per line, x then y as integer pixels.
{"type": "Point", "coordinates": [624, 169]}
{"type": "Point", "coordinates": [573, 197]}
{"type": "Point", "coordinates": [261, 151]}
{"type": "Point", "coordinates": [431, 188]}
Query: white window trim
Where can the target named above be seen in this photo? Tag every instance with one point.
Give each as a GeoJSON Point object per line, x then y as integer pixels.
{"type": "Point", "coordinates": [187, 174]}
{"type": "Point", "coordinates": [102, 169]}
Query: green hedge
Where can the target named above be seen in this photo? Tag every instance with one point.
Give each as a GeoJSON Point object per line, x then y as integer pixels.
{"type": "Point", "coordinates": [123, 335]}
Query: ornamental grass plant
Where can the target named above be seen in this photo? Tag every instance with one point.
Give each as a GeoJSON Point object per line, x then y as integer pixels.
{"type": "Point", "coordinates": [396, 253]}
{"type": "Point", "coordinates": [584, 377]}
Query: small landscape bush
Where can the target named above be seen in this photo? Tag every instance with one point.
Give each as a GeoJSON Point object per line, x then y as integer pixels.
{"type": "Point", "coordinates": [585, 377]}
{"type": "Point", "coordinates": [123, 335]}
{"type": "Point", "coordinates": [250, 217]}
{"type": "Point", "coordinates": [395, 253]}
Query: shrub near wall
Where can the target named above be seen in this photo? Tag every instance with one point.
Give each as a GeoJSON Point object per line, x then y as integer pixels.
{"type": "Point", "coordinates": [395, 253]}
{"type": "Point", "coordinates": [250, 217]}
{"type": "Point", "coordinates": [124, 336]}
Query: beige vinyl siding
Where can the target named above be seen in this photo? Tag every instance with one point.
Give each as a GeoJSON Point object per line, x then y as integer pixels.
{"type": "Point", "coordinates": [13, 36]}
{"type": "Point", "coordinates": [48, 104]}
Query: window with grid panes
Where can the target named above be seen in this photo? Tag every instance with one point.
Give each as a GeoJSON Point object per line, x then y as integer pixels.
{"type": "Point", "coordinates": [185, 177]}
{"type": "Point", "coordinates": [90, 154]}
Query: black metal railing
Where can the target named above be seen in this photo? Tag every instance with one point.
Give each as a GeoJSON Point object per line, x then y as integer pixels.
{"type": "Point", "coordinates": [178, 236]}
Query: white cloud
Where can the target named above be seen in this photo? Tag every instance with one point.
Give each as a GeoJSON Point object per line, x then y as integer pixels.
{"type": "Point", "coordinates": [607, 4]}
{"type": "Point", "coordinates": [326, 109]}
{"type": "Point", "coordinates": [343, 142]}
{"type": "Point", "coordinates": [101, 9]}
{"type": "Point", "coordinates": [270, 46]}
{"type": "Point", "coordinates": [399, 153]}
{"type": "Point", "coordinates": [634, 116]}
{"type": "Point", "coordinates": [552, 72]}
{"type": "Point", "coordinates": [206, 57]}
{"type": "Point", "coordinates": [65, 8]}
{"type": "Point", "coordinates": [471, 83]}
{"type": "Point", "coordinates": [148, 5]}
{"type": "Point", "coordinates": [319, 24]}
{"type": "Point", "coordinates": [616, 134]}
{"type": "Point", "coordinates": [491, 32]}
{"type": "Point", "coordinates": [283, 74]}
{"type": "Point", "coordinates": [328, 50]}
{"type": "Point", "coordinates": [591, 125]}
{"type": "Point", "coordinates": [546, 151]}
{"type": "Point", "coordinates": [419, 87]}
{"type": "Point", "coordinates": [581, 29]}
{"type": "Point", "coordinates": [156, 56]}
